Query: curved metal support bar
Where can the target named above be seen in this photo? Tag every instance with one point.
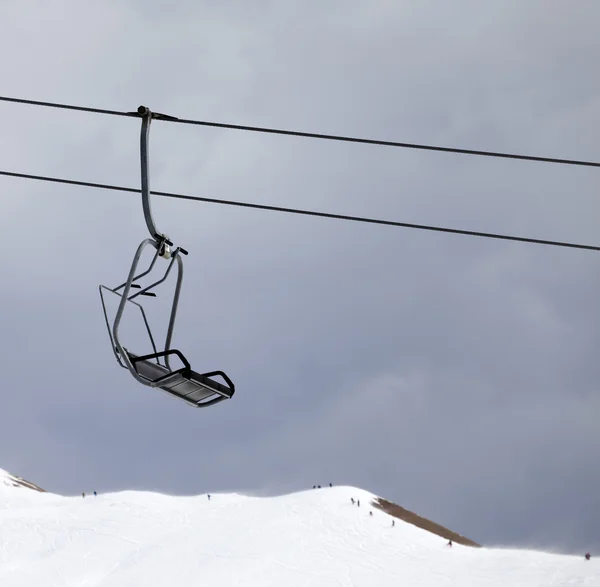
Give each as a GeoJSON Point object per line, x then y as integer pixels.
{"type": "Point", "coordinates": [125, 297]}
{"type": "Point", "coordinates": [112, 342]}
{"type": "Point", "coordinates": [175, 304]}
{"type": "Point", "coordinates": [121, 308]}
{"type": "Point", "coordinates": [144, 318]}
{"type": "Point", "coordinates": [144, 156]}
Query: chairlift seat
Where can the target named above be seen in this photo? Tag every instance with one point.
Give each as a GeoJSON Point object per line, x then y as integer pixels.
{"type": "Point", "coordinates": [199, 390]}
{"type": "Point", "coordinates": [196, 389]}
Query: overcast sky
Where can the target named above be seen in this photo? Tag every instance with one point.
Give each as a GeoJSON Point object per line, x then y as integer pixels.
{"type": "Point", "coordinates": [456, 376]}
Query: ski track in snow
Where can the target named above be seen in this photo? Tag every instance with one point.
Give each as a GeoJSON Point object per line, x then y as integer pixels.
{"type": "Point", "coordinates": [308, 539]}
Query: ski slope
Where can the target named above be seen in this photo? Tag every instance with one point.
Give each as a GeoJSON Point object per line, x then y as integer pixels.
{"type": "Point", "coordinates": [312, 538]}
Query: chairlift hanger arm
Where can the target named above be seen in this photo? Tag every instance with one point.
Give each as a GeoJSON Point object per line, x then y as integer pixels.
{"type": "Point", "coordinates": [146, 115]}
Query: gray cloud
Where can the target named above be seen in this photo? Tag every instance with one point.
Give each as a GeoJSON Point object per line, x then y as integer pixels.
{"type": "Point", "coordinates": [456, 376]}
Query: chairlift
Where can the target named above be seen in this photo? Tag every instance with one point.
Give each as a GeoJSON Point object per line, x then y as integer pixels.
{"type": "Point", "coordinates": [199, 390]}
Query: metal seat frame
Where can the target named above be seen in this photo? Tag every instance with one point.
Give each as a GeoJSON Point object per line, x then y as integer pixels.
{"type": "Point", "coordinates": [196, 389]}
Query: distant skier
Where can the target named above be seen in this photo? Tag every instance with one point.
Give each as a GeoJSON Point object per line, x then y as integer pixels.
{"type": "Point", "coordinates": [588, 556]}
{"type": "Point", "coordinates": [95, 494]}
{"type": "Point", "coordinates": [208, 495]}
{"type": "Point", "coordinates": [83, 495]}
{"type": "Point", "coordinates": [352, 500]}
{"type": "Point", "coordinates": [330, 485]}
{"type": "Point", "coordinates": [393, 523]}
{"type": "Point", "coordinates": [318, 487]}
{"type": "Point", "coordinates": [358, 502]}
{"type": "Point", "coordinates": [370, 513]}
{"type": "Point", "coordinates": [314, 486]}
{"type": "Point", "coordinates": [450, 543]}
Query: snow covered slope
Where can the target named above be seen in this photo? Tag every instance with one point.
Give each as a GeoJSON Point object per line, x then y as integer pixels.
{"type": "Point", "coordinates": [311, 538]}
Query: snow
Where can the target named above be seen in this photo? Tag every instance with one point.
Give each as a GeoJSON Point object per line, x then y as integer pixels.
{"type": "Point", "coordinates": [310, 538]}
